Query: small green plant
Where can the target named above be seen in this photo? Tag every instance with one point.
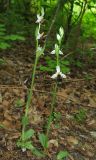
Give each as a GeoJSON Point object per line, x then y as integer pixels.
{"type": "Point", "coordinates": [88, 77]}
{"type": "Point", "coordinates": [57, 116]}
{"type": "Point", "coordinates": [80, 116]}
{"type": "Point", "coordinates": [44, 141]}
{"type": "Point", "coordinates": [19, 103]}
{"type": "Point", "coordinates": [62, 155]}
{"type": "Point", "coordinates": [6, 39]}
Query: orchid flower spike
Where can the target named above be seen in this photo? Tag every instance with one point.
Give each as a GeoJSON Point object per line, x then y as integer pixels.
{"type": "Point", "coordinates": [40, 17]}
{"type": "Point", "coordinates": [58, 72]}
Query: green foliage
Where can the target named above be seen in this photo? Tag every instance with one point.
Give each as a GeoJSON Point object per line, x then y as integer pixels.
{"type": "Point", "coordinates": [28, 134]}
{"type": "Point", "coordinates": [25, 145]}
{"type": "Point", "coordinates": [24, 141]}
{"type": "Point", "coordinates": [57, 116]}
{"type": "Point", "coordinates": [19, 103]}
{"type": "Point", "coordinates": [2, 61]}
{"type": "Point", "coordinates": [6, 39]}
{"type": "Point", "coordinates": [89, 26]}
{"type": "Point", "coordinates": [43, 140]}
{"type": "Point", "coordinates": [62, 155]}
{"type": "Point", "coordinates": [88, 77]}
{"type": "Point", "coordinates": [80, 116]}
{"type": "Point", "coordinates": [51, 65]}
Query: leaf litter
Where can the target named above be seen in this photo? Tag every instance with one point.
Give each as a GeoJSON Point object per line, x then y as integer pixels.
{"type": "Point", "coordinates": [75, 134]}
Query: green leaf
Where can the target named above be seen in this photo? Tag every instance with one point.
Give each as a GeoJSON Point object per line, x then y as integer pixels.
{"type": "Point", "coordinates": [26, 145]}
{"type": "Point", "coordinates": [13, 37]}
{"type": "Point", "coordinates": [65, 62]}
{"type": "Point", "coordinates": [28, 134]}
{"type": "Point", "coordinates": [43, 140]}
{"type": "Point", "coordinates": [44, 68]}
{"type": "Point", "coordinates": [2, 33]}
{"type": "Point", "coordinates": [65, 69]}
{"type": "Point", "coordinates": [2, 61]}
{"type": "Point", "coordinates": [62, 154]}
{"type": "Point", "coordinates": [4, 45]}
{"type": "Point", "coordinates": [2, 26]}
{"type": "Point", "coordinates": [38, 153]}
{"type": "Point", "coordinates": [2, 126]}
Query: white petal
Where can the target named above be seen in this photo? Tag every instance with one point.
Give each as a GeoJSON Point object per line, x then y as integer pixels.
{"type": "Point", "coordinates": [39, 18]}
{"type": "Point", "coordinates": [58, 69]}
{"type": "Point", "coordinates": [58, 37]}
{"type": "Point", "coordinates": [39, 35]}
{"type": "Point", "coordinates": [62, 75]}
{"type": "Point", "coordinates": [53, 52]}
{"type": "Point", "coordinates": [23, 149]}
{"type": "Point", "coordinates": [60, 52]}
{"type": "Point", "coordinates": [61, 30]}
{"type": "Point", "coordinates": [54, 75]}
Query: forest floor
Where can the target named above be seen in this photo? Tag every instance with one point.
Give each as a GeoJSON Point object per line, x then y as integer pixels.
{"type": "Point", "coordinates": [74, 130]}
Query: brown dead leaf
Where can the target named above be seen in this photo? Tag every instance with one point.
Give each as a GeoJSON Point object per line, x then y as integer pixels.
{"type": "Point", "coordinates": [6, 103]}
{"type": "Point", "coordinates": [92, 102]}
{"type": "Point", "coordinates": [8, 124]}
{"type": "Point", "coordinates": [34, 116]}
{"type": "Point", "coordinates": [72, 140]}
{"type": "Point", "coordinates": [53, 142]}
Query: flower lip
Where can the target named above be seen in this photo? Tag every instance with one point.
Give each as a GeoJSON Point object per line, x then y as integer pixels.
{"type": "Point", "coordinates": [39, 35]}
{"type": "Point", "coordinates": [58, 72]}
{"type": "Point", "coordinates": [39, 18]}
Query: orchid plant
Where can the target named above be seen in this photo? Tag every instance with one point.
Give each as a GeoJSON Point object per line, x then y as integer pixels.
{"type": "Point", "coordinates": [24, 142]}
{"type": "Point", "coordinates": [57, 52]}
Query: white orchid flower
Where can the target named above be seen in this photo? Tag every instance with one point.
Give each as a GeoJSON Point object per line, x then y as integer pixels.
{"type": "Point", "coordinates": [39, 35]}
{"type": "Point", "coordinates": [60, 52]}
{"type": "Point", "coordinates": [58, 72]}
{"type": "Point", "coordinates": [40, 17]}
{"type": "Point", "coordinates": [58, 37]}
{"type": "Point", "coordinates": [23, 149]}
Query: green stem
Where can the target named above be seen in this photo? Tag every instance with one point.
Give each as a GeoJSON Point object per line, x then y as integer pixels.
{"type": "Point", "coordinates": [31, 88]}
{"type": "Point", "coordinates": [29, 97]}
{"type": "Point", "coordinates": [52, 109]}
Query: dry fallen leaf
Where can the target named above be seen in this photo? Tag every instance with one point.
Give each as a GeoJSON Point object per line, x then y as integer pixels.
{"type": "Point", "coordinates": [53, 142]}
{"type": "Point", "coordinates": [72, 140]}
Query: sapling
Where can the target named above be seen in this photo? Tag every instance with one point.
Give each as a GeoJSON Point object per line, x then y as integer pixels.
{"type": "Point", "coordinates": [24, 141]}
